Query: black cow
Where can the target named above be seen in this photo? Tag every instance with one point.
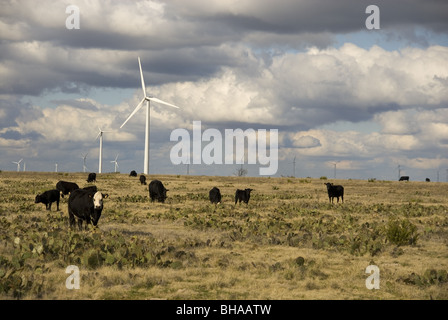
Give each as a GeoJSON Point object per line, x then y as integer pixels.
{"type": "Point", "coordinates": [242, 195]}
{"type": "Point", "coordinates": [157, 191]}
{"type": "Point", "coordinates": [404, 178]}
{"type": "Point", "coordinates": [85, 205]}
{"type": "Point", "coordinates": [334, 192]}
{"type": "Point", "coordinates": [133, 173]}
{"type": "Point", "coordinates": [48, 197]}
{"type": "Point", "coordinates": [428, 180]}
{"type": "Point", "coordinates": [66, 187]}
{"type": "Point", "coordinates": [91, 177]}
{"type": "Point", "coordinates": [142, 179]}
{"type": "Point", "coordinates": [215, 195]}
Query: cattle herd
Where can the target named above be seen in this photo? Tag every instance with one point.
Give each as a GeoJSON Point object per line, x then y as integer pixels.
{"type": "Point", "coordinates": [86, 204]}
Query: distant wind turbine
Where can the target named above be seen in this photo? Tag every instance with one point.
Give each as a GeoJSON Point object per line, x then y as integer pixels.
{"type": "Point", "coordinates": [84, 168]}
{"type": "Point", "coordinates": [116, 163]}
{"type": "Point", "coordinates": [147, 99]}
{"type": "Point", "coordinates": [335, 163]}
{"type": "Point", "coordinates": [18, 164]}
{"type": "Point", "coordinates": [294, 164]}
{"type": "Point", "coordinates": [100, 135]}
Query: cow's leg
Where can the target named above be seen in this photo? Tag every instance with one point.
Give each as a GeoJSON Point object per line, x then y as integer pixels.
{"type": "Point", "coordinates": [88, 221]}
{"type": "Point", "coordinates": [57, 205]}
{"type": "Point", "coordinates": [80, 224]}
{"type": "Point", "coordinates": [71, 218]}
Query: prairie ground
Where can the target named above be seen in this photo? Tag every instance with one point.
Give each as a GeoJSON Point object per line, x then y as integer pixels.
{"type": "Point", "coordinates": [289, 242]}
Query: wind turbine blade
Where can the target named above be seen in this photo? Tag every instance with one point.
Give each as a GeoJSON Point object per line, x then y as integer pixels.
{"type": "Point", "coordinates": [141, 76]}
{"type": "Point", "coordinates": [133, 112]}
{"type": "Point", "coordinates": [20, 160]}
{"type": "Point", "coordinates": [162, 102]}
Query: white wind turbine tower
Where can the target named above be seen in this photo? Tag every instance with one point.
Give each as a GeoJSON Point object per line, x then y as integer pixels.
{"type": "Point", "coordinates": [147, 99]}
{"type": "Point", "coordinates": [84, 168]}
{"type": "Point", "coordinates": [18, 164]}
{"type": "Point", "coordinates": [334, 164]}
{"type": "Point", "coordinates": [100, 135]}
{"type": "Point", "coordinates": [294, 164]}
{"type": "Point", "coordinates": [116, 163]}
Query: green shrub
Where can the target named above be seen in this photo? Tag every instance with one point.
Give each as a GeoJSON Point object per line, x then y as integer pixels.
{"type": "Point", "coordinates": [401, 232]}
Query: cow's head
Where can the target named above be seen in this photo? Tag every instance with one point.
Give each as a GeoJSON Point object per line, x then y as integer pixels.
{"type": "Point", "coordinates": [97, 206]}
{"type": "Point", "coordinates": [38, 199]}
{"type": "Point", "coordinates": [163, 196]}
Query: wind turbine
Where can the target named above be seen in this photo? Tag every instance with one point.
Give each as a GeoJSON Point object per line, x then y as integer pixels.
{"type": "Point", "coordinates": [147, 99]}
{"type": "Point", "coordinates": [100, 135]}
{"type": "Point", "coordinates": [335, 163]}
{"type": "Point", "coordinates": [18, 164]}
{"type": "Point", "coordinates": [84, 168]}
{"type": "Point", "coordinates": [294, 164]}
{"type": "Point", "coordinates": [116, 163]}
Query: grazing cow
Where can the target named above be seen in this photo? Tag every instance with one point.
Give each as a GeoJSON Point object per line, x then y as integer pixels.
{"type": "Point", "coordinates": [242, 195]}
{"type": "Point", "coordinates": [334, 192]}
{"type": "Point", "coordinates": [404, 178]}
{"type": "Point", "coordinates": [215, 196]}
{"type": "Point", "coordinates": [157, 191]}
{"type": "Point", "coordinates": [428, 180]}
{"type": "Point", "coordinates": [85, 205]}
{"type": "Point", "coordinates": [66, 187]}
{"type": "Point", "coordinates": [48, 197]}
{"type": "Point", "coordinates": [142, 179]}
{"type": "Point", "coordinates": [91, 177]}
{"type": "Point", "coordinates": [133, 173]}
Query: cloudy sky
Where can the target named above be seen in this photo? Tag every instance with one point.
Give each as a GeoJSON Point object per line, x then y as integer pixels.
{"type": "Point", "coordinates": [340, 95]}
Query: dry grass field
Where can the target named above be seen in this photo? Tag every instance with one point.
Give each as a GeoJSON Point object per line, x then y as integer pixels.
{"type": "Point", "coordinates": [289, 242]}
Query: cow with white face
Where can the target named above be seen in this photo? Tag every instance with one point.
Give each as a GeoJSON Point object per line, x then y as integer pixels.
{"type": "Point", "coordinates": [85, 205]}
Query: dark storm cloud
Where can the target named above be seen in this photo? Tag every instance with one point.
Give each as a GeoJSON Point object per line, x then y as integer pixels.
{"type": "Point", "coordinates": [184, 42]}
{"type": "Point", "coordinates": [286, 17]}
{"type": "Point", "coordinates": [16, 135]}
